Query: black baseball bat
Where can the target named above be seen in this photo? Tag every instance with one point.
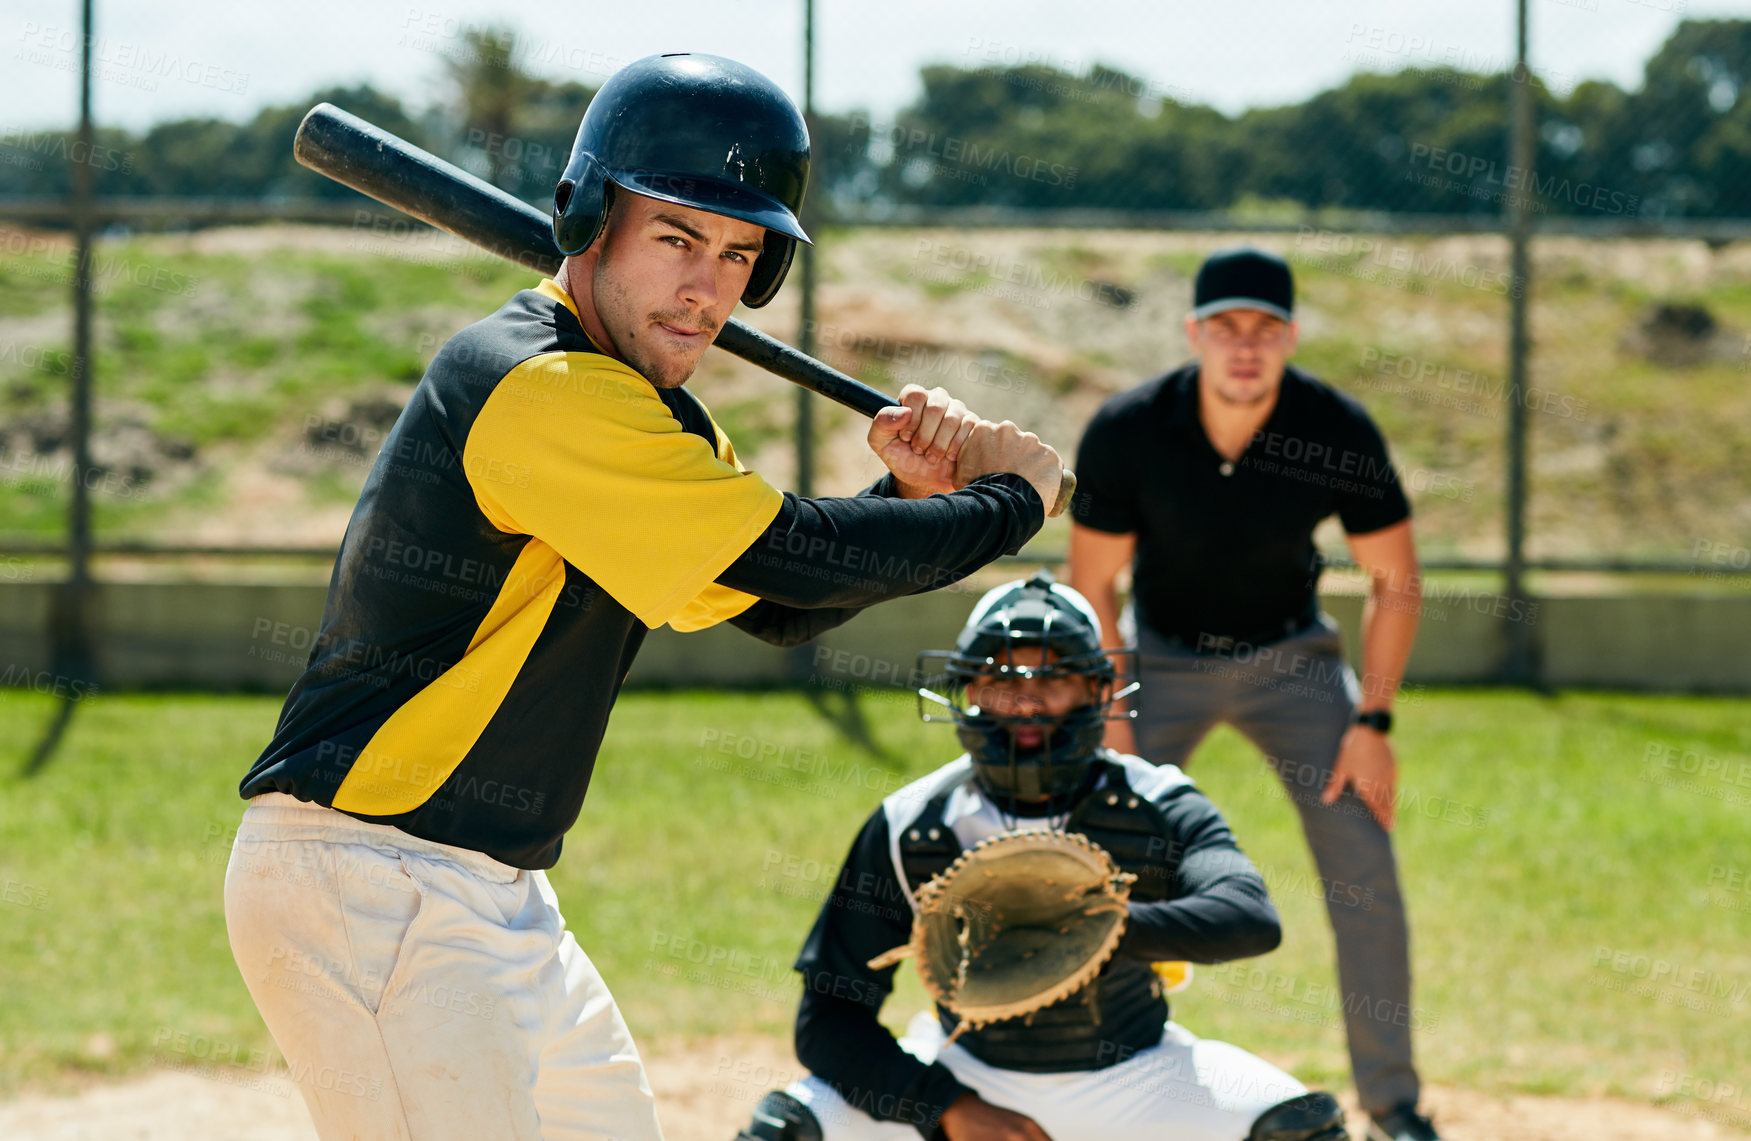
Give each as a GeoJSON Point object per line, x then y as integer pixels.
{"type": "Point", "coordinates": [396, 173]}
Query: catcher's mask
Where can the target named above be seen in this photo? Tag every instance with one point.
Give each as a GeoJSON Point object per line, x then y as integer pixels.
{"type": "Point", "coordinates": [700, 131]}
{"type": "Point", "coordinates": [1057, 635]}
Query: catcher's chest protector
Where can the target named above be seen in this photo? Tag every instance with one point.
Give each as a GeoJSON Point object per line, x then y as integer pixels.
{"type": "Point", "coordinates": [1123, 1010]}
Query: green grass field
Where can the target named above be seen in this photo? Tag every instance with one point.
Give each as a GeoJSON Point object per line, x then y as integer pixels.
{"type": "Point", "coordinates": [1578, 870]}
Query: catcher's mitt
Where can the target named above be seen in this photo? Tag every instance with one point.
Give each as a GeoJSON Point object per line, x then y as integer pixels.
{"type": "Point", "coordinates": [1017, 923]}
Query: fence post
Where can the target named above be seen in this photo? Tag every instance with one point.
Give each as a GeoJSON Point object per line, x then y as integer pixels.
{"type": "Point", "coordinates": [1520, 660]}
{"type": "Point", "coordinates": [70, 617]}
{"type": "Point", "coordinates": [805, 341]}
{"type": "Point", "coordinates": [798, 665]}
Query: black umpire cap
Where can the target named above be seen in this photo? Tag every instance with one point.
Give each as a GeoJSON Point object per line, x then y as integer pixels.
{"type": "Point", "coordinates": [1244, 278]}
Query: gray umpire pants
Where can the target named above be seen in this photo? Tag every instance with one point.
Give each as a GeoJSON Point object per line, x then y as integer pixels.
{"type": "Point", "coordinates": [1294, 699]}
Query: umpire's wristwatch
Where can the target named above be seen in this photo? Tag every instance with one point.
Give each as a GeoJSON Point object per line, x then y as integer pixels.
{"type": "Point", "coordinates": [1379, 720]}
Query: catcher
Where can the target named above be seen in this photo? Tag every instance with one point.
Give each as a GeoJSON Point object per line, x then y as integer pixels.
{"type": "Point", "coordinates": [1029, 689]}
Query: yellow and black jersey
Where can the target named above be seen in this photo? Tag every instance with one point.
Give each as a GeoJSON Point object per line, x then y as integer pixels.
{"type": "Point", "coordinates": [536, 508]}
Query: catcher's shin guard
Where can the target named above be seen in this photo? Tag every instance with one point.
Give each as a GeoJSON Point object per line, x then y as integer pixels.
{"type": "Point", "coordinates": [1310, 1117]}
{"type": "Point", "coordinates": [780, 1117]}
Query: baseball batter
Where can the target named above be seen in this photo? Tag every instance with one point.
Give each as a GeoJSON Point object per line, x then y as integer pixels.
{"type": "Point", "coordinates": [1029, 688]}
{"type": "Point", "coordinates": [551, 492]}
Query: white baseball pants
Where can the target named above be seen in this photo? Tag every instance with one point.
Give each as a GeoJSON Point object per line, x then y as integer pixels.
{"type": "Point", "coordinates": [1187, 1088]}
{"type": "Point", "coordinates": [421, 992]}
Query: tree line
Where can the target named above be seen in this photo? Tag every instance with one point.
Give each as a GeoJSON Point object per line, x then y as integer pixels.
{"type": "Point", "coordinates": [1421, 139]}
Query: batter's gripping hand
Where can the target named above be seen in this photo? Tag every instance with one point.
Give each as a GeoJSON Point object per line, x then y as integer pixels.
{"type": "Point", "coordinates": [994, 448]}
{"type": "Point", "coordinates": [920, 440]}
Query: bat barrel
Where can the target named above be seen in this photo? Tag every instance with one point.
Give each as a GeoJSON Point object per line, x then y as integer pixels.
{"type": "Point", "coordinates": [375, 163]}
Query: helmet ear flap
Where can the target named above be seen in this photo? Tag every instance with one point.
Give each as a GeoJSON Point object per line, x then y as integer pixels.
{"type": "Point", "coordinates": [770, 269]}
{"type": "Point", "coordinates": [580, 204]}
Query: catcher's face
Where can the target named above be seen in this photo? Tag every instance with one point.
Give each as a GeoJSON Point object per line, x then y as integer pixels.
{"type": "Point", "coordinates": [1044, 695]}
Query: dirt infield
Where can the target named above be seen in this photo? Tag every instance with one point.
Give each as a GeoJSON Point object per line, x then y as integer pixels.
{"type": "Point", "coordinates": [706, 1090]}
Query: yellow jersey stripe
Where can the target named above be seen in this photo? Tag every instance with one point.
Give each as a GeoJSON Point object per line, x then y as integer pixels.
{"type": "Point", "coordinates": [414, 752]}
{"type": "Point", "coordinates": [579, 449]}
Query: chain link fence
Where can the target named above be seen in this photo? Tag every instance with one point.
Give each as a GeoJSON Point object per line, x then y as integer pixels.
{"type": "Point", "coordinates": [1025, 234]}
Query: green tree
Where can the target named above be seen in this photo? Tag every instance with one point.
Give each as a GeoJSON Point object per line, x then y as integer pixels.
{"type": "Point", "coordinates": [214, 158]}
{"type": "Point", "coordinates": [489, 88]}
{"type": "Point", "coordinates": [1430, 140]}
{"type": "Point", "coordinates": [1689, 120]}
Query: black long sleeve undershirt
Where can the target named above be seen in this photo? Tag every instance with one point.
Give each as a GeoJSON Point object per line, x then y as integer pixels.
{"type": "Point", "coordinates": [1226, 914]}
{"type": "Point", "coordinates": [842, 1037]}
{"type": "Point", "coordinates": [838, 1035]}
{"type": "Point", "coordinates": [824, 560]}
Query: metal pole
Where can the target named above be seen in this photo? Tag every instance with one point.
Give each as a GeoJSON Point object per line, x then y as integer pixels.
{"type": "Point", "coordinates": [805, 405]}
{"type": "Point", "coordinates": [72, 636]}
{"type": "Point", "coordinates": [1520, 666]}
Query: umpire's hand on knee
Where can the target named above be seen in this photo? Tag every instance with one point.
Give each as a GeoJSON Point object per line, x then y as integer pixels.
{"type": "Point", "coordinates": [971, 1118]}
{"type": "Point", "coordinates": [1366, 763]}
{"type": "Point", "coordinates": [920, 440]}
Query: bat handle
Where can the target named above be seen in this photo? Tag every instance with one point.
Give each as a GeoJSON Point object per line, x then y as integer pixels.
{"type": "Point", "coordinates": [1066, 493]}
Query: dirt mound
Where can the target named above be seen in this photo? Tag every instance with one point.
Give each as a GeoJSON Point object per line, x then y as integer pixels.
{"type": "Point", "coordinates": [1678, 335]}
{"type": "Point", "coordinates": [706, 1091]}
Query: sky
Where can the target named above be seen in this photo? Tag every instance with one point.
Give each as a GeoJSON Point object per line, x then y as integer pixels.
{"type": "Point", "coordinates": [169, 59]}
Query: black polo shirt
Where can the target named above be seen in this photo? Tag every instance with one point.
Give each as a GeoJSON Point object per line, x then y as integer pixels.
{"type": "Point", "coordinates": [1225, 550]}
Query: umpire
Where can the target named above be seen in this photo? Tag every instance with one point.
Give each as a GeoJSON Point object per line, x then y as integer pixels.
{"type": "Point", "coordinates": [549, 494]}
{"type": "Point", "coordinates": [1207, 484]}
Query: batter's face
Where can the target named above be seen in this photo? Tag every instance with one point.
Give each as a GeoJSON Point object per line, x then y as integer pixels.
{"type": "Point", "coordinates": [1241, 354]}
{"type": "Point", "coordinates": [1033, 696]}
{"type": "Point", "coordinates": [660, 283]}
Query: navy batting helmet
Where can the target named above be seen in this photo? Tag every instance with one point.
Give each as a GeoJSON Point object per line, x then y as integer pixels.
{"type": "Point", "coordinates": [1040, 613]}
{"type": "Point", "coordinates": [700, 131]}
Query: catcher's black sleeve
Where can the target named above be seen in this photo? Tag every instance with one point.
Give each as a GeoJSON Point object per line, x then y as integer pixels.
{"type": "Point", "coordinates": [861, 550]}
{"type": "Point", "coordinates": [838, 1036]}
{"type": "Point", "coordinates": [1221, 910]}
